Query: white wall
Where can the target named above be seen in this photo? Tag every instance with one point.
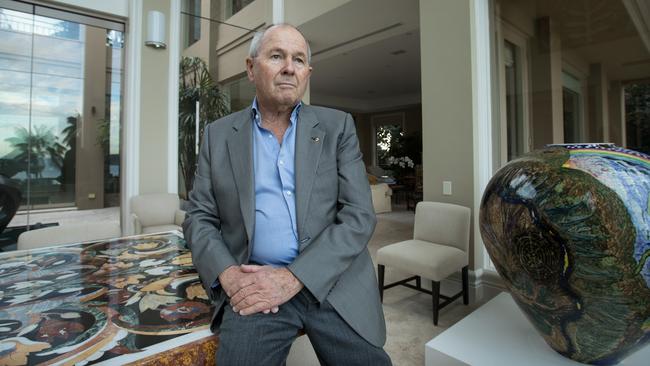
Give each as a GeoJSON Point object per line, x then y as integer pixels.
{"type": "Point", "coordinates": [447, 111]}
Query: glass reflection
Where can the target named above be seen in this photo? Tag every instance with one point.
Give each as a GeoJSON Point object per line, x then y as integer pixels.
{"type": "Point", "coordinates": [60, 111]}
{"type": "Point", "coordinates": [16, 31]}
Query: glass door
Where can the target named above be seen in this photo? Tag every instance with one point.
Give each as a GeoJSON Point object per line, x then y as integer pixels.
{"type": "Point", "coordinates": [61, 77]}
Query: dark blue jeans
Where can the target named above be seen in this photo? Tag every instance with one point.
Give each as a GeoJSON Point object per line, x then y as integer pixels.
{"type": "Point", "coordinates": [265, 339]}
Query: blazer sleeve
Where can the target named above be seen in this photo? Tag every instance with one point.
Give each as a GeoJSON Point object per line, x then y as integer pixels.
{"type": "Point", "coordinates": [331, 252]}
{"type": "Point", "coordinates": [202, 227]}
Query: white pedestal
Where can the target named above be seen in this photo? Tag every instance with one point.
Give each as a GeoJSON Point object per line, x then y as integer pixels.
{"type": "Point", "coordinates": [498, 334]}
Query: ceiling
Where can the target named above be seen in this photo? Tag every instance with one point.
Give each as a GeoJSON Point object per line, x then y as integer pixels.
{"type": "Point", "coordinates": [370, 62]}
{"type": "Point", "coordinates": [378, 70]}
{"type": "Point", "coordinates": [360, 60]}
{"type": "Point", "coordinates": [601, 32]}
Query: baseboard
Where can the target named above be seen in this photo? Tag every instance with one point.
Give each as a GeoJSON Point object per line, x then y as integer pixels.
{"type": "Point", "coordinates": [483, 284]}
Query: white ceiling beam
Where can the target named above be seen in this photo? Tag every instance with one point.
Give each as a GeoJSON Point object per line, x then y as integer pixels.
{"type": "Point", "coordinates": [639, 12]}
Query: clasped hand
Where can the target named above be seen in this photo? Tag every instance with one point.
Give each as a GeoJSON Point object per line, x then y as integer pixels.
{"type": "Point", "coordinates": [253, 289]}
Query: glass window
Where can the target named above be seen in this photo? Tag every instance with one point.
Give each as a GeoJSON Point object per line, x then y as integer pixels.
{"type": "Point", "coordinates": [571, 112]}
{"type": "Point", "coordinates": [513, 100]}
{"type": "Point", "coordinates": [388, 137]}
{"type": "Point", "coordinates": [60, 114]}
{"type": "Point", "coordinates": [564, 69]}
{"type": "Point", "coordinates": [201, 101]}
{"type": "Point", "coordinates": [239, 93]}
{"type": "Point", "coordinates": [193, 21]}
{"type": "Point", "coordinates": [238, 5]}
{"type": "Point", "coordinates": [231, 7]}
{"type": "Point", "coordinates": [572, 108]}
{"type": "Point", "coordinates": [637, 116]}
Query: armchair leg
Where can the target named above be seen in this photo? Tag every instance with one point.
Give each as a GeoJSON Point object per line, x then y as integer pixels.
{"type": "Point", "coordinates": [465, 286]}
{"type": "Point", "coordinates": [435, 293]}
{"type": "Point", "coordinates": [380, 274]}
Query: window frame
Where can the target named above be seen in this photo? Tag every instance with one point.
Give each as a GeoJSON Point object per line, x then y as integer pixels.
{"type": "Point", "coordinates": [509, 33]}
{"type": "Point", "coordinates": [384, 119]}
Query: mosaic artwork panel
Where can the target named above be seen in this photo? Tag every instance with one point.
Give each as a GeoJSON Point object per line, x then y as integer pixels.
{"type": "Point", "coordinates": [92, 302]}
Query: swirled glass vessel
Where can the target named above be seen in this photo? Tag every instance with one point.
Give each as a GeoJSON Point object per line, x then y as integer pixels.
{"type": "Point", "coordinates": [568, 230]}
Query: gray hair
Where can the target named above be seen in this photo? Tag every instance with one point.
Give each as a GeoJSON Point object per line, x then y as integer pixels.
{"type": "Point", "coordinates": [256, 43]}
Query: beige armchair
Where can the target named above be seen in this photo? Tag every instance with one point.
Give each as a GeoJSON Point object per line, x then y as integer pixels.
{"type": "Point", "coordinates": [156, 212]}
{"type": "Point", "coordinates": [67, 234]}
{"type": "Point", "coordinates": [440, 247]}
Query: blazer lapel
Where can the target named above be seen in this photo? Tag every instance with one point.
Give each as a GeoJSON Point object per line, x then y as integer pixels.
{"type": "Point", "coordinates": [240, 151]}
{"type": "Point", "coordinates": [309, 144]}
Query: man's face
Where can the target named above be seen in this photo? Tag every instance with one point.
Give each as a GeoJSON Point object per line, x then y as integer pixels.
{"type": "Point", "coordinates": [280, 70]}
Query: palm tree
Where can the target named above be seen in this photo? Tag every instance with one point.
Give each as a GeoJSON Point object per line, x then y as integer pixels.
{"type": "Point", "coordinates": [196, 84]}
{"type": "Point", "coordinates": [33, 148]}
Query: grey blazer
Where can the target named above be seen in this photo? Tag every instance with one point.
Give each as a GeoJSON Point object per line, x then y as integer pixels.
{"type": "Point", "coordinates": [334, 213]}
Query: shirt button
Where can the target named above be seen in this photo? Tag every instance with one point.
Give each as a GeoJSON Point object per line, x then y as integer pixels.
{"type": "Point", "coordinates": [288, 193]}
{"type": "Point", "coordinates": [281, 162]}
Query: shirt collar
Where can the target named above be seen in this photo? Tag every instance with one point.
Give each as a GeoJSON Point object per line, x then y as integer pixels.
{"type": "Point", "coordinates": [256, 113]}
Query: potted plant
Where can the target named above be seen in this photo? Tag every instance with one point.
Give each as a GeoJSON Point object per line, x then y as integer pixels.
{"type": "Point", "coordinates": [196, 85]}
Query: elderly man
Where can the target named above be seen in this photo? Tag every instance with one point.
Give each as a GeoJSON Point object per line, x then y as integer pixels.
{"type": "Point", "coordinates": [280, 219]}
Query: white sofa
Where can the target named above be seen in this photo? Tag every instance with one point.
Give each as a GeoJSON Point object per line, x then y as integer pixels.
{"type": "Point", "coordinates": [381, 194]}
{"type": "Point", "coordinates": [67, 234]}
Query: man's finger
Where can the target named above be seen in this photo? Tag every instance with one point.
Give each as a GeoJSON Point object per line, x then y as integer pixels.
{"type": "Point", "coordinates": [237, 297]}
{"type": "Point", "coordinates": [247, 301]}
{"type": "Point", "coordinates": [250, 268]}
{"type": "Point", "coordinates": [275, 309]}
{"type": "Point", "coordinates": [256, 308]}
{"type": "Point", "coordinates": [241, 283]}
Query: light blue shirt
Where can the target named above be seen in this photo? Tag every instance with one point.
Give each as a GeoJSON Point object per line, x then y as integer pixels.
{"type": "Point", "coordinates": [275, 238]}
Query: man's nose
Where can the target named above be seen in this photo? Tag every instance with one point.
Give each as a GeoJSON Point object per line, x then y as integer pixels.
{"type": "Point", "coordinates": [289, 68]}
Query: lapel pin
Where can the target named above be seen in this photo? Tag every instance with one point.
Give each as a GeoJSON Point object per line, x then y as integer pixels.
{"type": "Point", "coordinates": [315, 139]}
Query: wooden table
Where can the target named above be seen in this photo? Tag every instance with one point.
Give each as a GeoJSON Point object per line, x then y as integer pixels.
{"type": "Point", "coordinates": [127, 300]}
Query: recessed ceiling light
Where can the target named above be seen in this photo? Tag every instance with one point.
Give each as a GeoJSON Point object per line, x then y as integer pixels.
{"type": "Point", "coordinates": [398, 52]}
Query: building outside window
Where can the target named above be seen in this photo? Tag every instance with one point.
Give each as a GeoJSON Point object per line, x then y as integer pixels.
{"type": "Point", "coordinates": [239, 92]}
{"type": "Point", "coordinates": [231, 7]}
{"type": "Point", "coordinates": [192, 21]}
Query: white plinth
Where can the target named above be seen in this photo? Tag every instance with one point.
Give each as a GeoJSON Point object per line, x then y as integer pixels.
{"type": "Point", "coordinates": [498, 334]}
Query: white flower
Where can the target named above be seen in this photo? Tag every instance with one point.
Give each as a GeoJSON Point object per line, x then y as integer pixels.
{"type": "Point", "coordinates": [401, 162]}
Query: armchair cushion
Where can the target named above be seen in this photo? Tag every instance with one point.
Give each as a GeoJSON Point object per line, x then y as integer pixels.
{"type": "Point", "coordinates": [160, 228]}
{"type": "Point", "coordinates": [430, 260]}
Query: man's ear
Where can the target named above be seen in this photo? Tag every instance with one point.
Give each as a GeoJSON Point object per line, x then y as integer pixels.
{"type": "Point", "coordinates": [249, 69]}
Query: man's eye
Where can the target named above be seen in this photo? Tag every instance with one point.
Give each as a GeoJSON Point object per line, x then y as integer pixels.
{"type": "Point", "coordinates": [299, 61]}
{"type": "Point", "coordinates": [275, 57]}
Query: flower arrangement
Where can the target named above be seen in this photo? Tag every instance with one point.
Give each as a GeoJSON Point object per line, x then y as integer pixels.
{"type": "Point", "coordinates": [402, 162]}
{"type": "Point", "coordinates": [400, 166]}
